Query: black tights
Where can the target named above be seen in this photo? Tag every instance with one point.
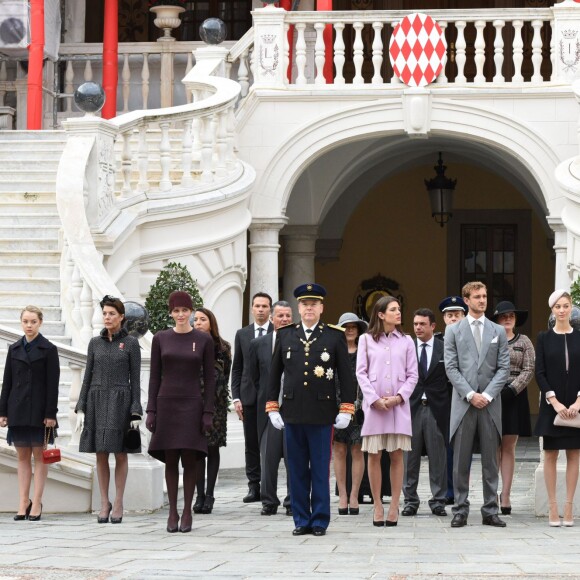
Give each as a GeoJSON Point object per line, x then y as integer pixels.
{"type": "Point", "coordinates": [189, 458]}
{"type": "Point", "coordinates": [213, 466]}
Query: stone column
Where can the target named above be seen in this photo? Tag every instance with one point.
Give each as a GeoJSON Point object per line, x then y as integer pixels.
{"type": "Point", "coordinates": [562, 277]}
{"type": "Point", "coordinates": [269, 48]}
{"type": "Point", "coordinates": [264, 247]}
{"type": "Point", "coordinates": [299, 254]}
{"type": "Point", "coordinates": [565, 35]}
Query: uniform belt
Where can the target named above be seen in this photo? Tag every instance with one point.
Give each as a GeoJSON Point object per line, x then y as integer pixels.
{"type": "Point", "coordinates": [425, 402]}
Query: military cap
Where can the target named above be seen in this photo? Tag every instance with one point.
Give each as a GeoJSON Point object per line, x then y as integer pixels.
{"type": "Point", "coordinates": [310, 291]}
{"type": "Point", "coordinates": [452, 303]}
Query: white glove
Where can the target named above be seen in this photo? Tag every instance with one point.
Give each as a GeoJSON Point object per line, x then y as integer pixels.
{"type": "Point", "coordinates": [135, 424]}
{"type": "Point", "coordinates": [80, 421]}
{"type": "Point", "coordinates": [342, 420]}
{"type": "Point", "coordinates": [276, 419]}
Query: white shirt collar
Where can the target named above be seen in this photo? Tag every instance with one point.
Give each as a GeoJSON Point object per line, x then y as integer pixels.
{"type": "Point", "coordinates": [428, 342]}
{"type": "Point", "coordinates": [470, 319]}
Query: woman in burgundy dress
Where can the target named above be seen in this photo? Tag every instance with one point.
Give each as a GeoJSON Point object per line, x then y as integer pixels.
{"type": "Point", "coordinates": [178, 415]}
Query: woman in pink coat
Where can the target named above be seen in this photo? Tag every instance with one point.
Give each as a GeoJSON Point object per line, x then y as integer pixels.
{"type": "Point", "coordinates": [387, 373]}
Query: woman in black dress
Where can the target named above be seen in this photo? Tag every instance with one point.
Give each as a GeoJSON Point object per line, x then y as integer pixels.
{"type": "Point", "coordinates": [515, 406]}
{"type": "Point", "coordinates": [178, 415]}
{"type": "Point", "coordinates": [350, 436]}
{"type": "Point", "coordinates": [558, 376]}
{"type": "Point", "coordinates": [205, 321]}
{"type": "Point", "coordinates": [110, 402]}
{"type": "Point", "coordinates": [28, 405]}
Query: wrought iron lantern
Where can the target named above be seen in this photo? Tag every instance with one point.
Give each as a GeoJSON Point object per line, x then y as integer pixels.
{"type": "Point", "coordinates": [440, 189]}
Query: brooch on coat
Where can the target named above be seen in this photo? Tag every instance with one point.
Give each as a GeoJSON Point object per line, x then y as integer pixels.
{"type": "Point", "coordinates": [121, 346]}
{"type": "Point", "coordinates": [329, 374]}
{"type": "Point", "coordinates": [193, 346]}
{"type": "Point", "coordinates": [325, 356]}
{"type": "Point", "coordinates": [318, 372]}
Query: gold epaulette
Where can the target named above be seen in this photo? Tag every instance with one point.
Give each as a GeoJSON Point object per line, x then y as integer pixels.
{"type": "Point", "coordinates": [335, 327]}
{"type": "Point", "coordinates": [273, 406]}
{"type": "Point", "coordinates": [346, 408]}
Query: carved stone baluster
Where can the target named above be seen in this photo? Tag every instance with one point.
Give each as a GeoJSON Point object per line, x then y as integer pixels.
{"type": "Point", "coordinates": [377, 53]}
{"type": "Point", "coordinates": [97, 321]}
{"type": "Point", "coordinates": [301, 54]}
{"type": "Point", "coordinates": [253, 62]}
{"type": "Point", "coordinates": [498, 51]}
{"type": "Point", "coordinates": [73, 399]}
{"type": "Point", "coordinates": [358, 54]}
{"type": "Point", "coordinates": [145, 82]}
{"type": "Point", "coordinates": [460, 56]}
{"type": "Point", "coordinates": [442, 78]}
{"type": "Point", "coordinates": [479, 52]}
{"type": "Point", "coordinates": [552, 52]}
{"type": "Point", "coordinates": [3, 79]}
{"type": "Point", "coordinates": [221, 145]}
{"type": "Point", "coordinates": [88, 73]}
{"type": "Point", "coordinates": [126, 76]}
{"type": "Point", "coordinates": [165, 156]}
{"type": "Point", "coordinates": [230, 139]}
{"type": "Point", "coordinates": [76, 288]}
{"type": "Point", "coordinates": [395, 79]}
{"type": "Point", "coordinates": [126, 165]}
{"type": "Point", "coordinates": [243, 74]}
{"type": "Point", "coordinates": [206, 149]}
{"type": "Point", "coordinates": [537, 51]}
{"type": "Point", "coordinates": [287, 49]}
{"type": "Point", "coordinates": [518, 49]}
{"type": "Point", "coordinates": [87, 311]}
{"type": "Point", "coordinates": [339, 53]}
{"type": "Point", "coordinates": [186, 178]}
{"type": "Point", "coordinates": [69, 76]}
{"type": "Point", "coordinates": [143, 160]}
{"type": "Point", "coordinates": [188, 67]}
{"type": "Point", "coordinates": [319, 53]}
{"type": "Point", "coordinates": [196, 128]}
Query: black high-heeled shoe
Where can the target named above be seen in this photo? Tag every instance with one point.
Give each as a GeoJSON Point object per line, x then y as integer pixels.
{"type": "Point", "coordinates": [198, 505]}
{"type": "Point", "coordinates": [343, 511]}
{"type": "Point", "coordinates": [35, 518]}
{"type": "Point", "coordinates": [353, 511]}
{"type": "Point", "coordinates": [392, 524]}
{"type": "Point", "coordinates": [505, 510]}
{"type": "Point", "coordinates": [20, 517]}
{"type": "Point", "coordinates": [105, 519]}
{"type": "Point", "coordinates": [208, 504]}
{"type": "Point", "coordinates": [173, 530]}
{"type": "Point", "coordinates": [117, 520]}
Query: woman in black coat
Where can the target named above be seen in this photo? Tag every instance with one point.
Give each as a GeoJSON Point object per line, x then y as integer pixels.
{"type": "Point", "coordinates": [558, 376]}
{"type": "Point", "coordinates": [28, 405]}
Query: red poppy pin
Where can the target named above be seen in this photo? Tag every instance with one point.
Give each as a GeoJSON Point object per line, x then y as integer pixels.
{"type": "Point", "coordinates": [122, 345]}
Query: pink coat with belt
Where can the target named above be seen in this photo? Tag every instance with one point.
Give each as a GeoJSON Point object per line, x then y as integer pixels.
{"type": "Point", "coordinates": [386, 368]}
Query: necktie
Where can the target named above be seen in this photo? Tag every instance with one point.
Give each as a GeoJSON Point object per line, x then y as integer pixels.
{"type": "Point", "coordinates": [477, 334]}
{"type": "Point", "coordinates": [308, 331]}
{"type": "Point", "coordinates": [260, 331]}
{"type": "Point", "coordinates": [423, 358]}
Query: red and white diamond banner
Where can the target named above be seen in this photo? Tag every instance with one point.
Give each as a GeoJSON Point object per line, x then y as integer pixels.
{"type": "Point", "coordinates": [418, 50]}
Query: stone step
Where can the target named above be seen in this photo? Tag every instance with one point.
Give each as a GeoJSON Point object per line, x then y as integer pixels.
{"type": "Point", "coordinates": [52, 327]}
{"type": "Point", "coordinates": [32, 172]}
{"type": "Point", "coordinates": [24, 201]}
{"type": "Point", "coordinates": [40, 299]}
{"type": "Point", "coordinates": [27, 257]}
{"type": "Point", "coordinates": [22, 162]}
{"type": "Point", "coordinates": [31, 285]}
{"type": "Point", "coordinates": [29, 270]}
{"type": "Point", "coordinates": [28, 244]}
{"type": "Point", "coordinates": [11, 312]}
{"type": "Point", "coordinates": [19, 231]}
{"type": "Point", "coordinates": [25, 137]}
{"type": "Point", "coordinates": [8, 218]}
{"type": "Point", "coordinates": [27, 185]}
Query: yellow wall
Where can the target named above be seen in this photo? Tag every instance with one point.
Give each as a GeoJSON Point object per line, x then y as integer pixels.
{"type": "Point", "coordinates": [392, 233]}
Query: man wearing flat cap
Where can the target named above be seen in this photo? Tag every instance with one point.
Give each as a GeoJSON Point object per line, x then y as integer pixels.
{"type": "Point", "coordinates": [311, 355]}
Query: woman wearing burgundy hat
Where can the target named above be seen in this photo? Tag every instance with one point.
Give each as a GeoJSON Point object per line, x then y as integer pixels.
{"type": "Point", "coordinates": [514, 397]}
{"type": "Point", "coordinates": [178, 415]}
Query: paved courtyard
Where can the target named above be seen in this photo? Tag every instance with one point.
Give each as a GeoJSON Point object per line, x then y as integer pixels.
{"type": "Point", "coordinates": [236, 542]}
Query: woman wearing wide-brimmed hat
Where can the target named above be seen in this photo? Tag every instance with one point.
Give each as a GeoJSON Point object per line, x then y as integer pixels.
{"type": "Point", "coordinates": [514, 397]}
{"type": "Point", "coordinates": [350, 436]}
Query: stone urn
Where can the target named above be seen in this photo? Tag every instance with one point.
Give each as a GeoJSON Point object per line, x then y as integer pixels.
{"type": "Point", "coordinates": [167, 18]}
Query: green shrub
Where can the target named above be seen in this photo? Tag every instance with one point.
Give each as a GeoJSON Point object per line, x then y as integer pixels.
{"type": "Point", "coordinates": [172, 277]}
{"type": "Point", "coordinates": [575, 292]}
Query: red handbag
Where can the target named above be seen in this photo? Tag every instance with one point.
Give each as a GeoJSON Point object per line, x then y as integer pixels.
{"type": "Point", "coordinates": [50, 455]}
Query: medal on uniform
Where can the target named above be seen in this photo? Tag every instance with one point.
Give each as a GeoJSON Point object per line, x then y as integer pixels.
{"type": "Point", "coordinates": [288, 354]}
{"type": "Point", "coordinates": [329, 374]}
{"type": "Point", "coordinates": [325, 356]}
{"type": "Point", "coordinates": [318, 372]}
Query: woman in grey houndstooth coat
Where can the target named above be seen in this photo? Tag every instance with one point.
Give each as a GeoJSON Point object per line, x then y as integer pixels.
{"type": "Point", "coordinates": [109, 402]}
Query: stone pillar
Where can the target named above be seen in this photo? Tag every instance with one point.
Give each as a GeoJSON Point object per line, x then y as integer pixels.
{"type": "Point", "coordinates": [565, 35]}
{"type": "Point", "coordinates": [269, 48]}
{"type": "Point", "coordinates": [264, 247]}
{"type": "Point", "coordinates": [299, 254]}
{"type": "Point", "coordinates": [562, 277]}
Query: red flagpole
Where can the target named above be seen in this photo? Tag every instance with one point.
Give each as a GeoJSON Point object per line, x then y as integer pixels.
{"type": "Point", "coordinates": [35, 62]}
{"type": "Point", "coordinates": [327, 35]}
{"type": "Point", "coordinates": [110, 58]}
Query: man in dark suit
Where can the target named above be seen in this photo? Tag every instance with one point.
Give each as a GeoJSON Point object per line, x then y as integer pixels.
{"type": "Point", "coordinates": [477, 362]}
{"type": "Point", "coordinates": [272, 443]}
{"type": "Point", "coordinates": [244, 393]}
{"type": "Point", "coordinates": [311, 355]}
{"type": "Point", "coordinates": [430, 404]}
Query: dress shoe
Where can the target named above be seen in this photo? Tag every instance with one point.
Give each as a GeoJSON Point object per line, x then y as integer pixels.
{"type": "Point", "coordinates": [301, 531]}
{"type": "Point", "coordinates": [353, 511]}
{"type": "Point", "coordinates": [208, 504]}
{"type": "Point", "coordinates": [409, 510]}
{"type": "Point", "coordinates": [555, 523]}
{"type": "Point", "coordinates": [318, 531]}
{"type": "Point", "coordinates": [35, 518]}
{"type": "Point", "coordinates": [253, 495]}
{"type": "Point", "coordinates": [185, 529]}
{"type": "Point", "coordinates": [24, 516]}
{"type": "Point", "coordinates": [493, 520]}
{"type": "Point", "coordinates": [105, 519]}
{"type": "Point", "coordinates": [269, 510]}
{"type": "Point", "coordinates": [198, 505]}
{"type": "Point", "coordinates": [449, 500]}
{"type": "Point", "coordinates": [568, 523]}
{"type": "Point", "coordinates": [118, 520]}
{"type": "Point", "coordinates": [392, 523]}
{"type": "Point", "coordinates": [458, 521]}
{"type": "Point", "coordinates": [505, 510]}
{"type": "Point", "coordinates": [173, 529]}
{"type": "Point", "coordinates": [343, 511]}
{"type": "Point", "coordinates": [439, 511]}
{"type": "Point", "coordinates": [288, 511]}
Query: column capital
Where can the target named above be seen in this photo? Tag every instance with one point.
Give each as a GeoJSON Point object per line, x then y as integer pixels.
{"type": "Point", "coordinates": [263, 224]}
{"type": "Point", "coordinates": [301, 231]}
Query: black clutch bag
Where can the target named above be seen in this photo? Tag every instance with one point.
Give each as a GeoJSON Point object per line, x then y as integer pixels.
{"type": "Point", "coordinates": [132, 440]}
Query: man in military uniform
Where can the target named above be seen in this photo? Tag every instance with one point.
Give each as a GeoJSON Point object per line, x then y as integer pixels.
{"type": "Point", "coordinates": [311, 356]}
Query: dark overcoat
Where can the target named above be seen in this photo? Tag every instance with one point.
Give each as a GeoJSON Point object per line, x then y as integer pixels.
{"type": "Point", "coordinates": [30, 385]}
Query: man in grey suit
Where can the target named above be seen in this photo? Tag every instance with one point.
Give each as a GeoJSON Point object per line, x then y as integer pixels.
{"type": "Point", "coordinates": [272, 445]}
{"type": "Point", "coordinates": [477, 363]}
{"type": "Point", "coordinates": [244, 393]}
